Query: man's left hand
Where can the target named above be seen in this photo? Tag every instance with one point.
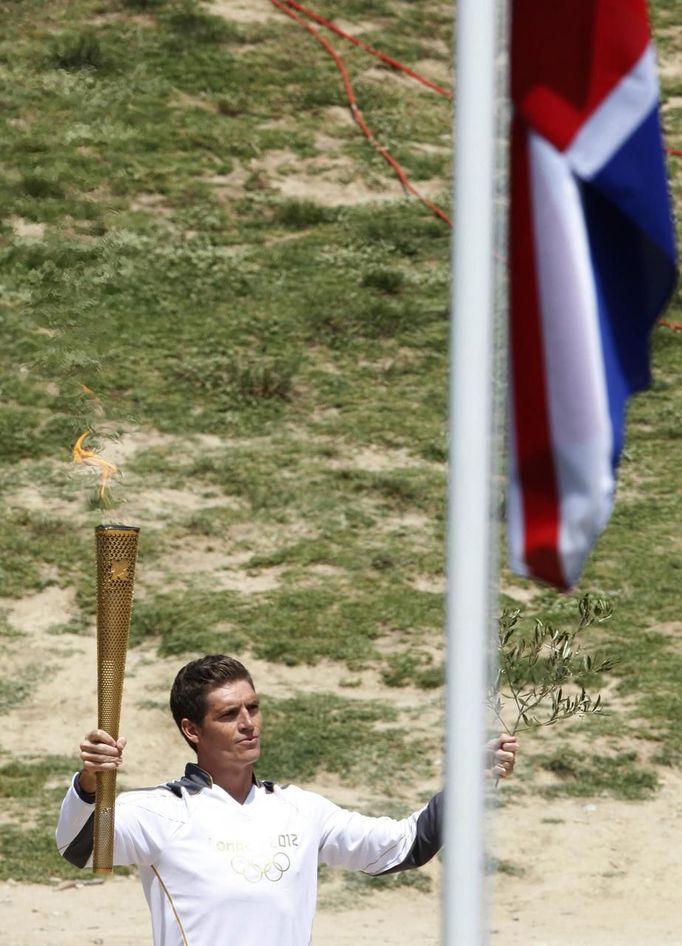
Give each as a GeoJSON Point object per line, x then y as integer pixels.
{"type": "Point", "coordinates": [501, 756]}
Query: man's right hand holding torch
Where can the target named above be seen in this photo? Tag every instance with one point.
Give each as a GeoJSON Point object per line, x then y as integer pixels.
{"type": "Point", "coordinates": [99, 752]}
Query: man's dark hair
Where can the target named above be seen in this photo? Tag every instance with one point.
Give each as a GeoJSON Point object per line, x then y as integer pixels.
{"type": "Point", "coordinates": [195, 679]}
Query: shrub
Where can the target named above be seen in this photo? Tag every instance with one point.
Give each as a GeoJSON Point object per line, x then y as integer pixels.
{"type": "Point", "coordinates": [76, 51]}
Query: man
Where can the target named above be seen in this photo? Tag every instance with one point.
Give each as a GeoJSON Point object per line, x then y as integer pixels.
{"type": "Point", "coordinates": [226, 859]}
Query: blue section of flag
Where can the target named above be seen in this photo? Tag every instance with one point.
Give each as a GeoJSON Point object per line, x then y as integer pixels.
{"type": "Point", "coordinates": [632, 245]}
{"type": "Point", "coordinates": [635, 180]}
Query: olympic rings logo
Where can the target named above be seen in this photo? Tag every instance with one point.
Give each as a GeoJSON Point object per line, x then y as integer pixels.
{"type": "Point", "coordinates": [273, 871]}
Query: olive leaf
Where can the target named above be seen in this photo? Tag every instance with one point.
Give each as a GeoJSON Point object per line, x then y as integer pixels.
{"type": "Point", "coordinates": [539, 676]}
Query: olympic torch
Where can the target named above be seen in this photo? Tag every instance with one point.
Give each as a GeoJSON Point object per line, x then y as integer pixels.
{"type": "Point", "coordinates": [116, 550]}
{"type": "Point", "coordinates": [116, 554]}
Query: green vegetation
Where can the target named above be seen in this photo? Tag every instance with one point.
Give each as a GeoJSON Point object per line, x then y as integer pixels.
{"type": "Point", "coordinates": [31, 791]}
{"type": "Point", "coordinates": [286, 356]}
{"type": "Point", "coordinates": [12, 692]}
{"type": "Point", "coordinates": [359, 884]}
{"type": "Point", "coordinates": [338, 736]}
{"type": "Point", "coordinates": [620, 776]}
{"type": "Point", "coordinates": [542, 676]}
{"type": "Point", "coordinates": [496, 865]}
{"type": "Point", "coordinates": [339, 891]}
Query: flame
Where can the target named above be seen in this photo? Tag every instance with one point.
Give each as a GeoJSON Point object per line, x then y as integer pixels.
{"type": "Point", "coordinates": [90, 458]}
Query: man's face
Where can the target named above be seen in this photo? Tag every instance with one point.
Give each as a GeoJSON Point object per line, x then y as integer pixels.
{"type": "Point", "coordinates": [229, 735]}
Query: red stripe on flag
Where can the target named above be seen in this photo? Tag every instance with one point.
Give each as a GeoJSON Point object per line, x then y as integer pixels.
{"type": "Point", "coordinates": [567, 56]}
{"type": "Point", "coordinates": [535, 461]}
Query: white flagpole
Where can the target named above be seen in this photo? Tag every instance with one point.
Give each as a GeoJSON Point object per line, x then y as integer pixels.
{"type": "Point", "coordinates": [469, 543]}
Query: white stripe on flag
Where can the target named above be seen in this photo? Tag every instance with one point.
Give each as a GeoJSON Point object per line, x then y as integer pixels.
{"type": "Point", "coordinates": [615, 120]}
{"type": "Point", "coordinates": [574, 368]}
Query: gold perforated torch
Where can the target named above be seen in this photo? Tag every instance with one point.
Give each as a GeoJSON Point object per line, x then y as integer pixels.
{"type": "Point", "coordinates": [116, 553]}
{"type": "Point", "coordinates": [116, 548]}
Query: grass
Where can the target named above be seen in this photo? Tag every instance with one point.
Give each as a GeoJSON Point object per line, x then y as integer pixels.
{"type": "Point", "coordinates": [496, 865]}
{"type": "Point", "coordinates": [358, 884]}
{"type": "Point", "coordinates": [621, 775]}
{"type": "Point", "coordinates": [31, 791]}
{"type": "Point", "coordinates": [323, 744]}
{"type": "Point", "coordinates": [336, 892]}
{"type": "Point", "coordinates": [293, 351]}
{"type": "Point", "coordinates": [32, 541]}
{"type": "Point", "coordinates": [12, 693]}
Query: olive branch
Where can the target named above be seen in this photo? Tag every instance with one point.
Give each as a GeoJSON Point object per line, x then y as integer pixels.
{"type": "Point", "coordinates": [538, 674]}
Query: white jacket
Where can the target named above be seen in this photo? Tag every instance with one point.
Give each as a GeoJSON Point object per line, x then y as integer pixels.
{"type": "Point", "coordinates": [218, 873]}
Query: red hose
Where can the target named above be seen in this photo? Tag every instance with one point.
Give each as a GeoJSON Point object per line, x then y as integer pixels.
{"type": "Point", "coordinates": [288, 7]}
{"type": "Point", "coordinates": [389, 60]}
{"type": "Point", "coordinates": [283, 5]}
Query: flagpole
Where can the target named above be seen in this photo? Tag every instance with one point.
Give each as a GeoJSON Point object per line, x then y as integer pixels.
{"type": "Point", "coordinates": [469, 542]}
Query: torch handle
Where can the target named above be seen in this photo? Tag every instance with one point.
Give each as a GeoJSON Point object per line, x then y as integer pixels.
{"type": "Point", "coordinates": [116, 548]}
{"type": "Point", "coordinates": [103, 856]}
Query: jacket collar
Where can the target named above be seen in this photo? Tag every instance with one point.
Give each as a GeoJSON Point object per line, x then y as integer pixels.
{"type": "Point", "coordinates": [196, 778]}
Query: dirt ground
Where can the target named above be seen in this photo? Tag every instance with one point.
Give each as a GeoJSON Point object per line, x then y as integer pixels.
{"type": "Point", "coordinates": [607, 875]}
{"type": "Point", "coordinates": [603, 873]}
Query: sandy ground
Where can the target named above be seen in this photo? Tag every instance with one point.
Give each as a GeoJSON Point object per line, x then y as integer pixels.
{"type": "Point", "coordinates": [598, 874]}
{"type": "Point", "coordinates": [603, 873]}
